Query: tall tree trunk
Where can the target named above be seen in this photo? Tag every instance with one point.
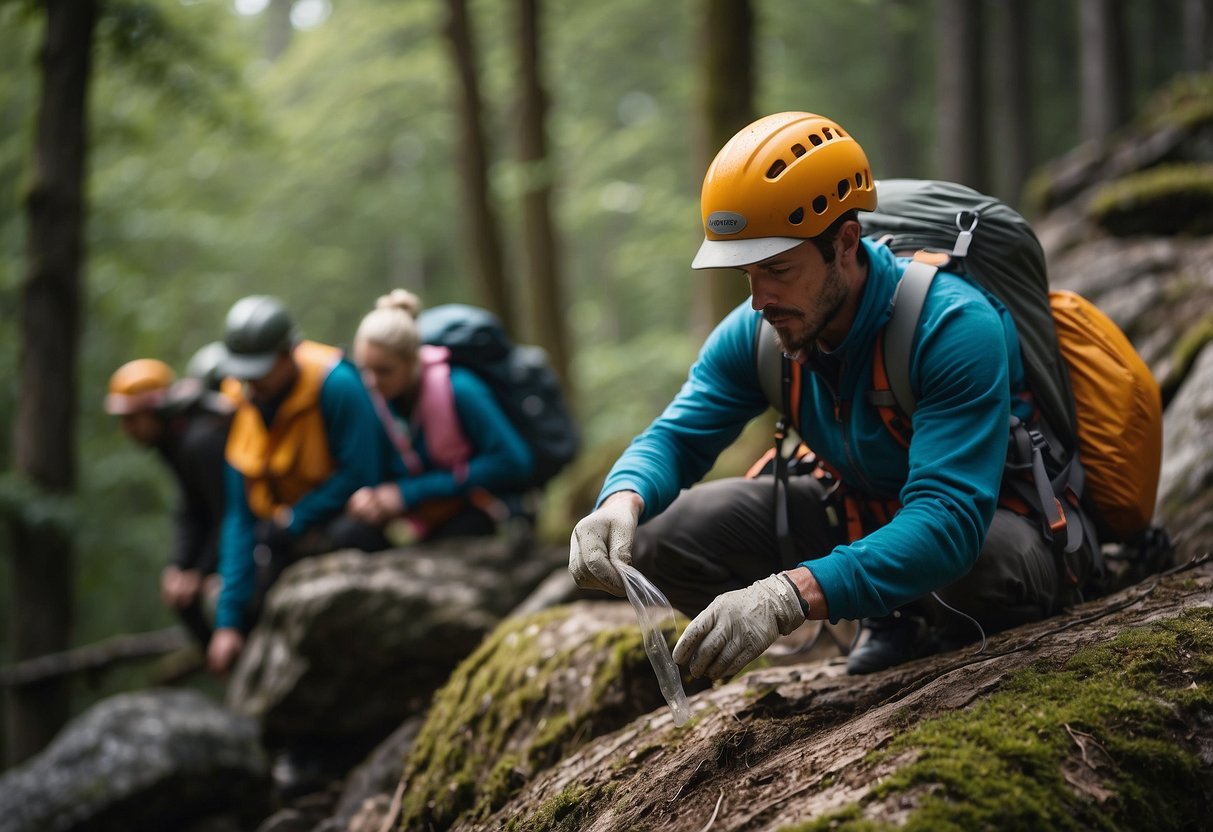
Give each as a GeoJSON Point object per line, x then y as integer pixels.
{"type": "Point", "coordinates": [728, 105]}
{"type": "Point", "coordinates": [960, 133]}
{"type": "Point", "coordinates": [1196, 30]}
{"type": "Point", "coordinates": [482, 220]}
{"type": "Point", "coordinates": [1105, 96]}
{"type": "Point", "coordinates": [1012, 98]}
{"type": "Point", "coordinates": [896, 141]}
{"type": "Point", "coordinates": [278, 29]}
{"type": "Point", "coordinates": [45, 437]}
{"type": "Point", "coordinates": [542, 249]}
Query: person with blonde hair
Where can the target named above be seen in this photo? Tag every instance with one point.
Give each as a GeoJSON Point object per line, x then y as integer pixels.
{"type": "Point", "coordinates": [459, 464]}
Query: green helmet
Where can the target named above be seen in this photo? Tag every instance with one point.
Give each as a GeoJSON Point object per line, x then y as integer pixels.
{"type": "Point", "coordinates": [258, 330]}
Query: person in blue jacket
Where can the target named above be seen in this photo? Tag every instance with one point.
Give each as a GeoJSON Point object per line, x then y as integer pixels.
{"type": "Point", "coordinates": [304, 437]}
{"type": "Point", "coordinates": [458, 466]}
{"type": "Point", "coordinates": [780, 203]}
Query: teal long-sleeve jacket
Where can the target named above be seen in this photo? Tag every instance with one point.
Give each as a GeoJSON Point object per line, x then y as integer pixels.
{"type": "Point", "coordinates": [501, 462]}
{"type": "Point", "coordinates": [967, 371]}
{"type": "Point", "coordinates": [356, 442]}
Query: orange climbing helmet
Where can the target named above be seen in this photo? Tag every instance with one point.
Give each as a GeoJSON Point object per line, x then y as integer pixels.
{"type": "Point", "coordinates": [138, 385]}
{"type": "Point", "coordinates": [778, 182]}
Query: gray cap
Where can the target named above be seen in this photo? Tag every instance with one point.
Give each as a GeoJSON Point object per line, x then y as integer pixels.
{"type": "Point", "coordinates": [258, 330]}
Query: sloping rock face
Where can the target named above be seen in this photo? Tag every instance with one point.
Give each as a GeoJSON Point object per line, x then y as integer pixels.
{"type": "Point", "coordinates": [155, 760]}
{"type": "Point", "coordinates": [1060, 725]}
{"type": "Point", "coordinates": [351, 644]}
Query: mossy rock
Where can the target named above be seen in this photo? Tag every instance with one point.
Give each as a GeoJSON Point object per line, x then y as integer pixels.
{"type": "Point", "coordinates": [539, 687]}
{"type": "Point", "coordinates": [1166, 200]}
{"type": "Point", "coordinates": [1096, 719]}
{"type": "Point", "coordinates": [1187, 102]}
{"type": "Point", "coordinates": [1111, 740]}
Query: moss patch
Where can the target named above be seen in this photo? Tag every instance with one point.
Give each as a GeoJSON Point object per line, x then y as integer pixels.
{"type": "Point", "coordinates": [1166, 200]}
{"type": "Point", "coordinates": [1189, 345]}
{"type": "Point", "coordinates": [514, 707]}
{"type": "Point", "coordinates": [1106, 741]}
{"type": "Point", "coordinates": [1187, 102]}
{"type": "Point", "coordinates": [566, 812]}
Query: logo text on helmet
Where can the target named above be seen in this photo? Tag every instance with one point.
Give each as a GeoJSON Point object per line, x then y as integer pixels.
{"type": "Point", "coordinates": [725, 222]}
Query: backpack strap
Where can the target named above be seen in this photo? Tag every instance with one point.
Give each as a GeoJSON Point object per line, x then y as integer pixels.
{"type": "Point", "coordinates": [779, 377]}
{"type": "Point", "coordinates": [891, 393]}
{"type": "Point", "coordinates": [435, 411]}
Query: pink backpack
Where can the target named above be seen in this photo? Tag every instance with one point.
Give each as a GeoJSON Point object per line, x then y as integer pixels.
{"type": "Point", "coordinates": [435, 412]}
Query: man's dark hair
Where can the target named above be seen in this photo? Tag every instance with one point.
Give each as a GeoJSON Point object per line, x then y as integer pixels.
{"type": "Point", "coordinates": [825, 240]}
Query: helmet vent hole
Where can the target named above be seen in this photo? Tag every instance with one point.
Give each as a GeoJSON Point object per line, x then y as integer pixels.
{"type": "Point", "coordinates": [844, 187]}
{"type": "Point", "coordinates": [820, 203]}
{"type": "Point", "coordinates": [798, 150]}
{"type": "Point", "coordinates": [841, 134]}
{"type": "Point", "coordinates": [825, 131]}
{"type": "Point", "coordinates": [797, 216]}
{"type": "Point", "coordinates": [815, 139]}
{"type": "Point", "coordinates": [859, 180]}
{"type": "Point", "coordinates": [778, 167]}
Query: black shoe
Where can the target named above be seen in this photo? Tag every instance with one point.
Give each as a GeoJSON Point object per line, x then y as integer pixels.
{"type": "Point", "coordinates": [891, 640]}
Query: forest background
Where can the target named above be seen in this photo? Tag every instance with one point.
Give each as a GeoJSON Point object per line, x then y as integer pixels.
{"type": "Point", "coordinates": [327, 152]}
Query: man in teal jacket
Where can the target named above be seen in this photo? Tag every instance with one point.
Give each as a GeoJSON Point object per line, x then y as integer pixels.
{"type": "Point", "coordinates": [779, 203]}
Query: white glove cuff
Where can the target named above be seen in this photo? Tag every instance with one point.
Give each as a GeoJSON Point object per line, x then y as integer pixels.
{"type": "Point", "coordinates": [788, 614]}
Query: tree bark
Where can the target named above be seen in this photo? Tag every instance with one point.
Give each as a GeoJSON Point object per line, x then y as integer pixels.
{"type": "Point", "coordinates": [542, 249]}
{"type": "Point", "coordinates": [960, 133]}
{"type": "Point", "coordinates": [482, 220]}
{"type": "Point", "coordinates": [51, 312]}
{"type": "Point", "coordinates": [897, 141]}
{"type": "Point", "coordinates": [1105, 94]}
{"type": "Point", "coordinates": [1012, 99]}
{"type": "Point", "coordinates": [728, 105]}
{"type": "Point", "coordinates": [1196, 28]}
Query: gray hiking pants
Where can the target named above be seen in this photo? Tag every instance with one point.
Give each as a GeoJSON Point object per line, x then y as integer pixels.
{"type": "Point", "coordinates": [720, 536]}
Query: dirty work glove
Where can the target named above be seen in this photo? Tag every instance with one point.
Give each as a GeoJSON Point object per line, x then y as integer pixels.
{"type": "Point", "coordinates": [738, 626]}
{"type": "Point", "coordinates": [600, 541]}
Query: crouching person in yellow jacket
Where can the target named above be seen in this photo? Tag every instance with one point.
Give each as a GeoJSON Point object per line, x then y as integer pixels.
{"type": "Point", "coordinates": [304, 438]}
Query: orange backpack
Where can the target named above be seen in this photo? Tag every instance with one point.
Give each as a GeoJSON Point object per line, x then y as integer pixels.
{"type": "Point", "coordinates": [1119, 409]}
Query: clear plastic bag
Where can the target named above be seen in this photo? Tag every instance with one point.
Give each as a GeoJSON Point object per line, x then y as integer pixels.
{"type": "Point", "coordinates": [656, 616]}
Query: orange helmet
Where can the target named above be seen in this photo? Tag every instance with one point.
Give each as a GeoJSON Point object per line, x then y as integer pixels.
{"type": "Point", "coordinates": [779, 181]}
{"type": "Point", "coordinates": [138, 385]}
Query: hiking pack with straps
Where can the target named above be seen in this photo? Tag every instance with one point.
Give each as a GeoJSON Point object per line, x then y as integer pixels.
{"type": "Point", "coordinates": [521, 378]}
{"type": "Point", "coordinates": [1098, 438]}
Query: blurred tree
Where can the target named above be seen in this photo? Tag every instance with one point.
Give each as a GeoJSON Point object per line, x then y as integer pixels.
{"type": "Point", "coordinates": [1015, 129]}
{"type": "Point", "coordinates": [278, 29]}
{"type": "Point", "coordinates": [895, 145]}
{"type": "Point", "coordinates": [542, 255]}
{"type": "Point", "coordinates": [1105, 94]}
{"type": "Point", "coordinates": [51, 318]}
{"type": "Point", "coordinates": [482, 223]}
{"type": "Point", "coordinates": [728, 105]}
{"type": "Point", "coordinates": [1197, 26]}
{"type": "Point", "coordinates": [960, 132]}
